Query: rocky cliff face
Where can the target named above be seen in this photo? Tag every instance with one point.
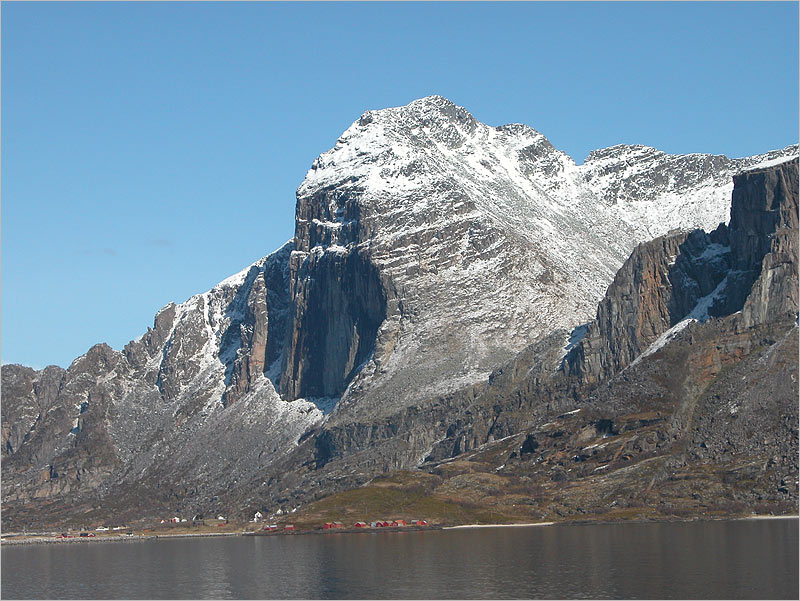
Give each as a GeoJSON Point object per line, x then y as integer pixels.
{"type": "Point", "coordinates": [749, 266]}
{"type": "Point", "coordinates": [338, 305]}
{"type": "Point", "coordinates": [766, 232]}
{"type": "Point", "coordinates": [438, 264]}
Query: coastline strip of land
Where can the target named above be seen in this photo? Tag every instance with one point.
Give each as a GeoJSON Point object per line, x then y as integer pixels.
{"type": "Point", "coordinates": [21, 539]}
{"type": "Point", "coordinates": [30, 540]}
{"type": "Point", "coordinates": [498, 525]}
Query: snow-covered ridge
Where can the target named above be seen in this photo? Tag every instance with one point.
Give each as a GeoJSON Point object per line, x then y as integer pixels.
{"type": "Point", "coordinates": [431, 141]}
{"type": "Point", "coordinates": [491, 232]}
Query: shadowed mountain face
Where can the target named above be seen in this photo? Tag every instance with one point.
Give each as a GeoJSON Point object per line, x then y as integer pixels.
{"type": "Point", "coordinates": [422, 309]}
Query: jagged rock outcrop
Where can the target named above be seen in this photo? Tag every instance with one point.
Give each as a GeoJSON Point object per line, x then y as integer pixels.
{"type": "Point", "coordinates": [766, 232]}
{"type": "Point", "coordinates": [147, 422]}
{"type": "Point", "coordinates": [657, 286]}
{"type": "Point", "coordinates": [260, 338]}
{"type": "Point", "coordinates": [34, 394]}
{"type": "Point", "coordinates": [749, 266]}
{"type": "Point", "coordinates": [419, 312]}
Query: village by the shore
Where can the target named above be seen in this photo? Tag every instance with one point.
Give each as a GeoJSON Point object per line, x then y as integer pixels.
{"type": "Point", "coordinates": [175, 527]}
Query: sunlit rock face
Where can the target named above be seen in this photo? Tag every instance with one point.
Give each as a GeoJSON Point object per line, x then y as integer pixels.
{"type": "Point", "coordinates": [749, 266]}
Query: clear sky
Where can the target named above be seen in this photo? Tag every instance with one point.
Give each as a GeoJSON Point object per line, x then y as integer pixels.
{"type": "Point", "coordinates": [149, 150]}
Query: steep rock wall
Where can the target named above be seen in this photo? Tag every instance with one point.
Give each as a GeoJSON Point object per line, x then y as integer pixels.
{"type": "Point", "coordinates": [338, 300]}
{"type": "Point", "coordinates": [766, 232]}
{"type": "Point", "coordinates": [750, 266]}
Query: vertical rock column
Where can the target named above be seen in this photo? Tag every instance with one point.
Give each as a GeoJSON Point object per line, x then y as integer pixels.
{"type": "Point", "coordinates": [764, 224]}
{"type": "Point", "coordinates": [337, 298]}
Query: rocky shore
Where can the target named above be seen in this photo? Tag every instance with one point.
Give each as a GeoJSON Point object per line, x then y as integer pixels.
{"type": "Point", "coordinates": [21, 539]}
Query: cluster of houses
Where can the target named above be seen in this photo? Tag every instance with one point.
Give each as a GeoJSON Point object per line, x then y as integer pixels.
{"type": "Point", "coordinates": [337, 525]}
{"type": "Point", "coordinates": [86, 534]}
{"type": "Point", "coordinates": [376, 524]}
{"type": "Point", "coordinates": [258, 517]}
{"type": "Point", "coordinates": [274, 527]}
{"type": "Point", "coordinates": [196, 520]}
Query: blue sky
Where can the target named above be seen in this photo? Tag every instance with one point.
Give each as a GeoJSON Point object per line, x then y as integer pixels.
{"type": "Point", "coordinates": [152, 149]}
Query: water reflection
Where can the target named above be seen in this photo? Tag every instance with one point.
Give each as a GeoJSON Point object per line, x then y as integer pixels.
{"type": "Point", "coordinates": [749, 559]}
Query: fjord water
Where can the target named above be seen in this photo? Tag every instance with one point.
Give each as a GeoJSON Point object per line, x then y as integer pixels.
{"type": "Point", "coordinates": [728, 559]}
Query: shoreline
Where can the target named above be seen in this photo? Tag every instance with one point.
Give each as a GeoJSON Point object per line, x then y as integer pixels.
{"type": "Point", "coordinates": [20, 539]}
{"type": "Point", "coordinates": [55, 540]}
{"type": "Point", "coordinates": [526, 525]}
{"type": "Point", "coordinates": [769, 517]}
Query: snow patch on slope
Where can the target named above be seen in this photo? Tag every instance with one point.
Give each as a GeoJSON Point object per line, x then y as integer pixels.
{"type": "Point", "coordinates": [698, 314]}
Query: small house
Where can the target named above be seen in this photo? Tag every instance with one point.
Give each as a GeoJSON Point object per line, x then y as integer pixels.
{"type": "Point", "coordinates": [327, 525]}
{"type": "Point", "coordinates": [289, 527]}
{"type": "Point", "coordinates": [360, 525]}
{"type": "Point", "coordinates": [399, 523]}
{"type": "Point", "coordinates": [175, 520]}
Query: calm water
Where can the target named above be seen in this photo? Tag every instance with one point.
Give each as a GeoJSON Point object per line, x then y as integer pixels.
{"type": "Point", "coordinates": [728, 560]}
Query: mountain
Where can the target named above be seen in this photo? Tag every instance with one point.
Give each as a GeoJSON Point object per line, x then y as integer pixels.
{"type": "Point", "coordinates": [678, 400]}
{"type": "Point", "coordinates": [432, 254]}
